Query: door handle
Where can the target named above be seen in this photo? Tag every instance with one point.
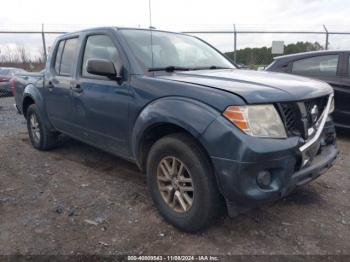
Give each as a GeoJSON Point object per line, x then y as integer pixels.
{"type": "Point", "coordinates": [52, 82]}
{"type": "Point", "coordinates": [50, 85]}
{"type": "Point", "coordinates": [76, 87]}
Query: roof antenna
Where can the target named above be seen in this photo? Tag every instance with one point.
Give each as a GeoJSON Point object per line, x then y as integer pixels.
{"type": "Point", "coordinates": [151, 28]}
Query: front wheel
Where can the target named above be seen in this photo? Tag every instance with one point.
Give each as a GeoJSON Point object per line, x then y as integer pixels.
{"type": "Point", "coordinates": [182, 183]}
{"type": "Point", "coordinates": [40, 136]}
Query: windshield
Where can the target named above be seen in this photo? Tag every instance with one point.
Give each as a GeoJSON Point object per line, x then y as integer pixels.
{"type": "Point", "coordinates": [4, 72]}
{"type": "Point", "coordinates": [11, 71]}
{"type": "Point", "coordinates": [171, 49]}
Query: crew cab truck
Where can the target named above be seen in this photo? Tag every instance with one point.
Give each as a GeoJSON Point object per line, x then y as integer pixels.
{"type": "Point", "coordinates": [210, 137]}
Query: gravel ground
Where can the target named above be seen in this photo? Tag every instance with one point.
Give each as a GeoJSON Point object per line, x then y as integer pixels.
{"type": "Point", "coordinates": [80, 200]}
{"type": "Point", "coordinates": [10, 121]}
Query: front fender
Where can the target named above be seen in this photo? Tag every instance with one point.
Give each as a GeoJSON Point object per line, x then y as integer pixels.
{"type": "Point", "coordinates": [189, 114]}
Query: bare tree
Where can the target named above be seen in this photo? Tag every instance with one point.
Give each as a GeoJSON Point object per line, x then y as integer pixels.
{"type": "Point", "coordinates": [11, 55]}
{"type": "Point", "coordinates": [41, 58]}
{"type": "Point", "coordinates": [19, 56]}
{"type": "Point", "coordinates": [23, 55]}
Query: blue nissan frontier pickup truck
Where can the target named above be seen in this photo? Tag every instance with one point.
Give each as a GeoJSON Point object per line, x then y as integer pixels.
{"type": "Point", "coordinates": [210, 137]}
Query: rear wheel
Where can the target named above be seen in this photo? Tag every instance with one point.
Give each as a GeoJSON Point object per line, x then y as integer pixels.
{"type": "Point", "coordinates": [40, 136]}
{"type": "Point", "coordinates": [182, 183]}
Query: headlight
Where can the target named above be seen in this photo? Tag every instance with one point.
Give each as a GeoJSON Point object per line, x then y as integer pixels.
{"type": "Point", "coordinates": [257, 120]}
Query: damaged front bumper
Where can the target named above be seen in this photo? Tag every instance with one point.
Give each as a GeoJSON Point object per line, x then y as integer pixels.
{"type": "Point", "coordinates": [241, 160]}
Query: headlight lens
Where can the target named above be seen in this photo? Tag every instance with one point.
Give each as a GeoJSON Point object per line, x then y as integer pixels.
{"type": "Point", "coordinates": [257, 120]}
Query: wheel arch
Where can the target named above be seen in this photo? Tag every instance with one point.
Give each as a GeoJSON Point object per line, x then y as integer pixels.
{"type": "Point", "coordinates": [167, 116]}
{"type": "Point", "coordinates": [27, 101]}
{"type": "Point", "coordinates": [32, 95]}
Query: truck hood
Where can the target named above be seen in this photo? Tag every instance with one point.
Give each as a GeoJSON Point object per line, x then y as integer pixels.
{"type": "Point", "coordinates": [255, 86]}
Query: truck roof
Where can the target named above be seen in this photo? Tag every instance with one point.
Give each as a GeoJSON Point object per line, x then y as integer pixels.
{"type": "Point", "coordinates": [115, 28]}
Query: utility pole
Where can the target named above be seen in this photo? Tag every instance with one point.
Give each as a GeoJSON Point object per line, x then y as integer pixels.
{"type": "Point", "coordinates": [327, 34]}
{"type": "Point", "coordinates": [44, 43]}
{"type": "Point", "coordinates": [235, 44]}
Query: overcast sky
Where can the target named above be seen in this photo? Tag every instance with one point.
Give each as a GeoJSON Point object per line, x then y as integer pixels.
{"type": "Point", "coordinates": [180, 15]}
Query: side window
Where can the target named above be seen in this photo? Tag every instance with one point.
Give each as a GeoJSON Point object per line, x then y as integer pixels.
{"type": "Point", "coordinates": [59, 56]}
{"type": "Point", "coordinates": [68, 55]}
{"type": "Point", "coordinates": [284, 68]}
{"type": "Point", "coordinates": [325, 65]}
{"type": "Point", "coordinates": [99, 47]}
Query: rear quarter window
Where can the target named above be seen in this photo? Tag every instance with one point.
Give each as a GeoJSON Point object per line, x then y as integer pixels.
{"type": "Point", "coordinates": [65, 56]}
{"type": "Point", "coordinates": [58, 57]}
{"type": "Point", "coordinates": [68, 56]}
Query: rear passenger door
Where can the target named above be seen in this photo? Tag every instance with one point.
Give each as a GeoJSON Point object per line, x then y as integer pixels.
{"type": "Point", "coordinates": [102, 102]}
{"type": "Point", "coordinates": [342, 95]}
{"type": "Point", "coordinates": [58, 85]}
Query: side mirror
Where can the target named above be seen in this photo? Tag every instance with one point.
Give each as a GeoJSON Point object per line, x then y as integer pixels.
{"type": "Point", "coordinates": [101, 67]}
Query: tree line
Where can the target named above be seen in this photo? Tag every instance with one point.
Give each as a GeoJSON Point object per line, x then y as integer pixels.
{"type": "Point", "coordinates": [262, 55]}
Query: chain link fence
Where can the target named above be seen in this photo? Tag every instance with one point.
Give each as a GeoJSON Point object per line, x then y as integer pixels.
{"type": "Point", "coordinates": [251, 45]}
{"type": "Point", "coordinates": [5, 88]}
{"type": "Point", "coordinates": [27, 46]}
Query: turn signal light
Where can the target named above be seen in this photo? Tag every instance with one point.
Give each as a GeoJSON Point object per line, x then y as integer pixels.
{"type": "Point", "coordinates": [236, 116]}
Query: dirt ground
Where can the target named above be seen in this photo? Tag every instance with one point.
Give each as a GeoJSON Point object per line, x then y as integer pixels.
{"type": "Point", "coordinates": [80, 200]}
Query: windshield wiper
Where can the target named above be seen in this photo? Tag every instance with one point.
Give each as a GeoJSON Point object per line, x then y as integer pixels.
{"type": "Point", "coordinates": [181, 68]}
{"type": "Point", "coordinates": [210, 67]}
{"type": "Point", "coordinates": [169, 68]}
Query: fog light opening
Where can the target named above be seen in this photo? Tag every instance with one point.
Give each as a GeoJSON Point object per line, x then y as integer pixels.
{"type": "Point", "coordinates": [264, 179]}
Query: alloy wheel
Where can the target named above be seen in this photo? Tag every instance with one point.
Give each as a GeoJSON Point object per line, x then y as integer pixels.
{"type": "Point", "coordinates": [35, 128]}
{"type": "Point", "coordinates": [175, 184]}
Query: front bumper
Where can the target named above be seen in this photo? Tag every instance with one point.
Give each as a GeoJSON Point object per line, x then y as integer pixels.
{"type": "Point", "coordinates": [243, 157]}
{"type": "Point", "coordinates": [320, 164]}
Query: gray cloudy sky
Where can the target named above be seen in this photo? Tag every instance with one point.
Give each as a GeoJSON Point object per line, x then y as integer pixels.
{"type": "Point", "coordinates": [180, 15]}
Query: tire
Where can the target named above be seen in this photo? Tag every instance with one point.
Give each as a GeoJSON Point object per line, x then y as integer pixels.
{"type": "Point", "coordinates": [40, 136]}
{"type": "Point", "coordinates": [204, 204]}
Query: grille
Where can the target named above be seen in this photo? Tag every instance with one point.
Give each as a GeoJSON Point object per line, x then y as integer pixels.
{"type": "Point", "coordinates": [290, 114]}
{"type": "Point", "coordinates": [298, 117]}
